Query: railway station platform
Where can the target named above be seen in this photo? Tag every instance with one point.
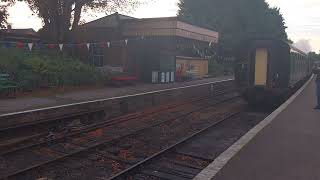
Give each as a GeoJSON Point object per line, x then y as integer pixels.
{"type": "Point", "coordinates": [36, 102]}
{"type": "Point", "coordinates": [285, 146]}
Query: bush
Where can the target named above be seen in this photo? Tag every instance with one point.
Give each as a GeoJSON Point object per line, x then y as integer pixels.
{"type": "Point", "coordinates": [220, 68]}
{"type": "Point", "coordinates": [36, 70]}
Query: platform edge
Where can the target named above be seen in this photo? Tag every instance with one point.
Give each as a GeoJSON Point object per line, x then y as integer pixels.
{"type": "Point", "coordinates": [111, 98]}
{"type": "Point", "coordinates": [211, 171]}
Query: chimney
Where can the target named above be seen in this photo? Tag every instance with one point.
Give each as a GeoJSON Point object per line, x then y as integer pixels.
{"type": "Point", "coordinates": [9, 28]}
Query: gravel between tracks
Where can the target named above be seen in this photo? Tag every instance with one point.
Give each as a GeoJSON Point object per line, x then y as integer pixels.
{"type": "Point", "coordinates": [102, 163]}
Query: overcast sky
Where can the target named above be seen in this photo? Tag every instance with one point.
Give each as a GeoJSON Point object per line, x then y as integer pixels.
{"type": "Point", "coordinates": [302, 18]}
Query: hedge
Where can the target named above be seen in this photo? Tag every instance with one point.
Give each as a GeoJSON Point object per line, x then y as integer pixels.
{"type": "Point", "coordinates": [35, 70]}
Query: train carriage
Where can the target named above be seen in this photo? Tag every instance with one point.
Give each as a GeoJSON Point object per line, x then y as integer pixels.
{"type": "Point", "coordinates": [270, 69]}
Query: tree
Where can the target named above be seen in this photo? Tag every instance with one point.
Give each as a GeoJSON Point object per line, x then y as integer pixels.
{"type": "Point", "coordinates": [3, 18]}
{"type": "Point", "coordinates": [235, 20]}
{"type": "Point", "coordinates": [4, 4]}
{"type": "Point", "coordinates": [60, 17]}
{"type": "Point", "coordinates": [314, 56]}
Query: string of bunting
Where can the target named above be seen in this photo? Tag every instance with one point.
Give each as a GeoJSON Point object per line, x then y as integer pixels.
{"type": "Point", "coordinates": [61, 46]}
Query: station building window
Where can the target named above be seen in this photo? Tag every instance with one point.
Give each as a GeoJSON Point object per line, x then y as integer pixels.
{"type": "Point", "coordinates": [96, 56]}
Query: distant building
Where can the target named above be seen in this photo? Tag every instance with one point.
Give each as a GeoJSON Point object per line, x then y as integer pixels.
{"type": "Point", "coordinates": [19, 35]}
{"type": "Point", "coordinates": [157, 49]}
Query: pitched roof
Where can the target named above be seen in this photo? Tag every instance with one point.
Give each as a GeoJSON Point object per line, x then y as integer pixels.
{"type": "Point", "coordinates": [21, 32]}
{"type": "Point", "coordinates": [107, 21]}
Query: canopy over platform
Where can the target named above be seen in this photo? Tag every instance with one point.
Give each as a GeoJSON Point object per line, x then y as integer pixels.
{"type": "Point", "coordinates": [120, 26]}
{"type": "Point", "coordinates": [170, 26]}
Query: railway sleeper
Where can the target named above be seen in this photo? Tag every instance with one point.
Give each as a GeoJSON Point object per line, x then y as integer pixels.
{"type": "Point", "coordinates": [164, 175]}
{"type": "Point", "coordinates": [174, 168]}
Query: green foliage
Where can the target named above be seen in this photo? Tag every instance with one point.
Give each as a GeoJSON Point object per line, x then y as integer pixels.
{"type": "Point", "coordinates": [314, 56]}
{"type": "Point", "coordinates": [219, 66]}
{"type": "Point", "coordinates": [235, 20]}
{"type": "Point", "coordinates": [3, 17]}
{"type": "Point", "coordinates": [4, 4]}
{"type": "Point", "coordinates": [32, 71]}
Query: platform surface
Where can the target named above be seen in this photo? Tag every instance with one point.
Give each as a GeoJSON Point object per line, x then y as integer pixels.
{"type": "Point", "coordinates": [35, 102]}
{"type": "Point", "coordinates": [286, 149]}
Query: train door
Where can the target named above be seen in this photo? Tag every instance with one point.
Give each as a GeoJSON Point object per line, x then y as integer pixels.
{"type": "Point", "coordinates": [261, 67]}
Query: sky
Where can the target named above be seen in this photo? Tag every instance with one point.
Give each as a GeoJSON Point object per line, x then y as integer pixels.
{"type": "Point", "coordinates": [302, 18]}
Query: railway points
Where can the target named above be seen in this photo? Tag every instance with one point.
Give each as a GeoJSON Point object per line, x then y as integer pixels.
{"type": "Point", "coordinates": [284, 146]}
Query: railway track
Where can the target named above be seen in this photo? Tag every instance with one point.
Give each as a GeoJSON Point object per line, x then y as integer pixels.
{"type": "Point", "coordinates": [104, 161]}
{"type": "Point", "coordinates": [18, 140]}
{"type": "Point", "coordinates": [118, 105]}
{"type": "Point", "coordinates": [41, 154]}
{"type": "Point", "coordinates": [26, 136]}
{"type": "Point", "coordinates": [188, 157]}
{"type": "Point", "coordinates": [26, 133]}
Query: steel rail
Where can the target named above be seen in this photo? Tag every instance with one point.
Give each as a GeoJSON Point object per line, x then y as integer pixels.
{"type": "Point", "coordinates": [153, 157]}
{"type": "Point", "coordinates": [109, 141]}
{"type": "Point", "coordinates": [111, 122]}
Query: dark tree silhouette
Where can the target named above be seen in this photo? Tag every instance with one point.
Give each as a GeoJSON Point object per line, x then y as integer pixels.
{"type": "Point", "coordinates": [60, 17]}
{"type": "Point", "coordinates": [3, 18]}
{"type": "Point", "coordinates": [4, 4]}
{"type": "Point", "coordinates": [235, 20]}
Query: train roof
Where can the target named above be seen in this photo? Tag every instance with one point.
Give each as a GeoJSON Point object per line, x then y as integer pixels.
{"type": "Point", "coordinates": [296, 50]}
{"type": "Point", "coordinates": [263, 42]}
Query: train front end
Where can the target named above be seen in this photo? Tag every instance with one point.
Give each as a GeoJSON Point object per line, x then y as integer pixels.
{"type": "Point", "coordinates": [267, 65]}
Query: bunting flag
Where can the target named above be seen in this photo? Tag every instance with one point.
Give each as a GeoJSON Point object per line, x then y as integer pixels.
{"type": "Point", "coordinates": [210, 44]}
{"type": "Point", "coordinates": [7, 44]}
{"type": "Point", "coordinates": [70, 45]}
{"type": "Point", "coordinates": [20, 45]}
{"type": "Point", "coordinates": [80, 45]}
{"type": "Point", "coordinates": [51, 46]}
{"type": "Point", "coordinates": [104, 45]}
{"type": "Point", "coordinates": [39, 45]}
{"type": "Point", "coordinates": [61, 47]}
{"type": "Point", "coordinates": [30, 46]}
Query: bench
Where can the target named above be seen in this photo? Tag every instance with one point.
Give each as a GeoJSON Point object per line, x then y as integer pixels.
{"type": "Point", "coordinates": [124, 80]}
{"type": "Point", "coordinates": [7, 86]}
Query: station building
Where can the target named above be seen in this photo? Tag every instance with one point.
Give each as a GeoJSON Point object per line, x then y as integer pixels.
{"type": "Point", "coordinates": [152, 49]}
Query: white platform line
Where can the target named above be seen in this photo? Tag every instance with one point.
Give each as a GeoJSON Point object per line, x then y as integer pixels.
{"type": "Point", "coordinates": [211, 171]}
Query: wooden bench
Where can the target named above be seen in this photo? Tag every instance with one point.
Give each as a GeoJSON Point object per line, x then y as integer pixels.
{"type": "Point", "coordinates": [8, 88]}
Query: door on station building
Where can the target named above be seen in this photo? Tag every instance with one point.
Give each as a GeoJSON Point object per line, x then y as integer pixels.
{"type": "Point", "coordinates": [261, 67]}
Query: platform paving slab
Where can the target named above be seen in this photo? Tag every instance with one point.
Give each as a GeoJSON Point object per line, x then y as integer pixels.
{"type": "Point", "coordinates": [31, 103]}
{"type": "Point", "coordinates": [285, 146]}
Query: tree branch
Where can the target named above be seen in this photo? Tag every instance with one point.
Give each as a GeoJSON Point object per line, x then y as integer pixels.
{"type": "Point", "coordinates": [77, 15]}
